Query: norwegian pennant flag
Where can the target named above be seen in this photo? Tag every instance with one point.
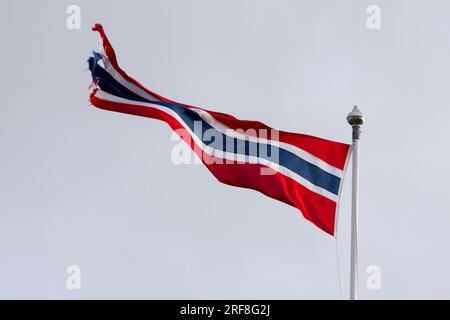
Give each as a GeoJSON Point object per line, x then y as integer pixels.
{"type": "Point", "coordinates": [301, 170]}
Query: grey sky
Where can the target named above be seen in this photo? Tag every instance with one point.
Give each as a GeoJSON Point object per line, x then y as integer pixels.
{"type": "Point", "coordinates": [97, 189]}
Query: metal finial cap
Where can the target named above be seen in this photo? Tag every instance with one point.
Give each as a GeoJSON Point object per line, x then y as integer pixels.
{"type": "Point", "coordinates": [356, 117]}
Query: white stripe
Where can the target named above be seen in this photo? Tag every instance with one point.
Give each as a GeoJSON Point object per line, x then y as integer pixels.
{"type": "Point", "coordinates": [223, 154]}
{"type": "Point", "coordinates": [225, 129]}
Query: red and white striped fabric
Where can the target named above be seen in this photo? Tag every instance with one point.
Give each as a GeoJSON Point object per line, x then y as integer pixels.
{"type": "Point", "coordinates": [301, 170]}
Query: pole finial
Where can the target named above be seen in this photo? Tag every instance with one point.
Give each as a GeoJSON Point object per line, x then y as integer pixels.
{"type": "Point", "coordinates": [356, 117]}
{"type": "Point", "coordinates": [356, 120]}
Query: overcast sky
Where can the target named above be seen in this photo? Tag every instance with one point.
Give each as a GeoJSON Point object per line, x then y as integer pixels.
{"type": "Point", "coordinates": [87, 187]}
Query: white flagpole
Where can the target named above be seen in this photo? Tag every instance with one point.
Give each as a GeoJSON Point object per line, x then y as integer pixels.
{"type": "Point", "coordinates": [356, 120]}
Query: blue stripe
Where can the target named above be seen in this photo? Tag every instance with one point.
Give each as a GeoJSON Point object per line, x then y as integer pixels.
{"type": "Point", "coordinates": [287, 159]}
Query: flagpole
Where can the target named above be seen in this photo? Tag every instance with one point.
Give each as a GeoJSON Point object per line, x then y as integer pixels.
{"type": "Point", "coordinates": [356, 120]}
